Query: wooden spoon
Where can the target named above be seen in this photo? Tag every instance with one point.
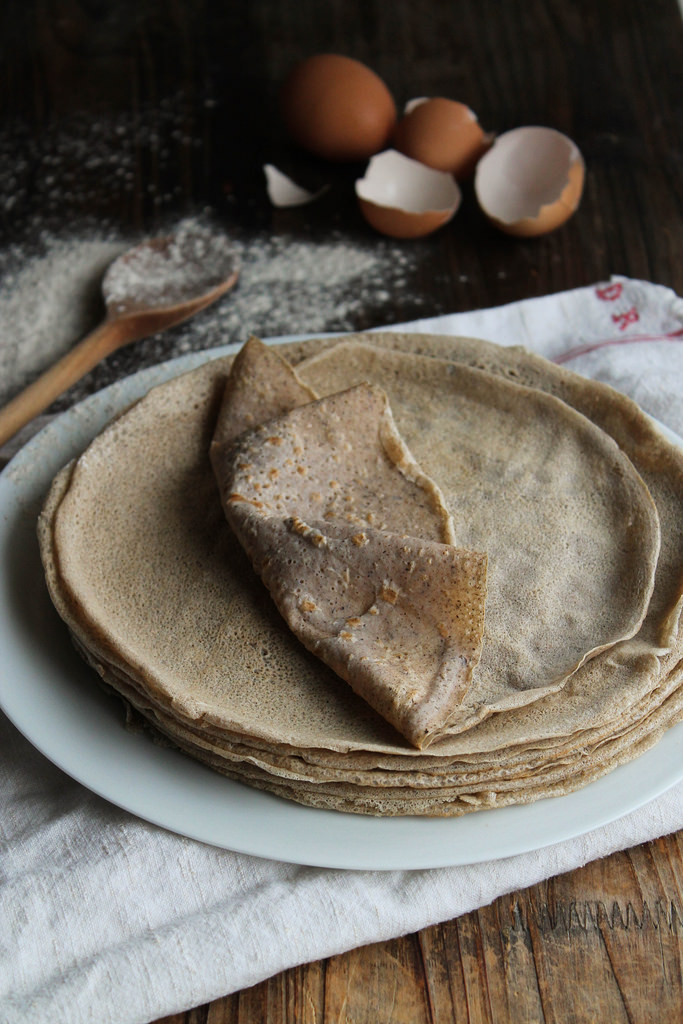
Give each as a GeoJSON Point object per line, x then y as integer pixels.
{"type": "Point", "coordinates": [147, 289]}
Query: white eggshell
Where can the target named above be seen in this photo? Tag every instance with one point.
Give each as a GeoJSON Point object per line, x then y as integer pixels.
{"type": "Point", "coordinates": [404, 198]}
{"type": "Point", "coordinates": [530, 181]}
{"type": "Point", "coordinates": [282, 191]}
{"type": "Point", "coordinates": [412, 104]}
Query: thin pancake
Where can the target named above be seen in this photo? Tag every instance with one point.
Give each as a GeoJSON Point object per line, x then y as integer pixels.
{"type": "Point", "coordinates": [351, 540]}
{"type": "Point", "coordinates": [145, 568]}
{"type": "Point", "coordinates": [571, 530]}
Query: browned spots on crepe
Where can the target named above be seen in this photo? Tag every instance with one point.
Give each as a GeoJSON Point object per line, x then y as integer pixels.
{"type": "Point", "coordinates": [305, 543]}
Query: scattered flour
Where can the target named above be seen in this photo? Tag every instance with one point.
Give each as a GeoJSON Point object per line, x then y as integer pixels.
{"type": "Point", "coordinates": [56, 191]}
{"type": "Point", "coordinates": [47, 302]}
{"type": "Point", "coordinates": [50, 296]}
{"type": "Point", "coordinates": [76, 163]}
{"type": "Point", "coordinates": [169, 271]}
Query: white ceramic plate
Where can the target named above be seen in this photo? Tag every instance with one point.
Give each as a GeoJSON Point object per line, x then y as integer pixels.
{"type": "Point", "coordinates": [48, 692]}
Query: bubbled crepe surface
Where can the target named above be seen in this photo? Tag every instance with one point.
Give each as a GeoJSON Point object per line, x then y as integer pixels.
{"type": "Point", "coordinates": [160, 552]}
{"type": "Point", "coordinates": [353, 542]}
{"type": "Point", "coordinates": [571, 533]}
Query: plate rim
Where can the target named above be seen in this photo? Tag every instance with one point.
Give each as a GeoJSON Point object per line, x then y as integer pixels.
{"type": "Point", "coordinates": [217, 810]}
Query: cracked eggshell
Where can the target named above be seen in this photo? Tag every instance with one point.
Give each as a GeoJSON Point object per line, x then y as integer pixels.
{"type": "Point", "coordinates": [337, 108]}
{"type": "Point", "coordinates": [284, 192]}
{"type": "Point", "coordinates": [530, 182]}
{"type": "Point", "coordinates": [442, 134]}
{"type": "Point", "coordinates": [402, 198]}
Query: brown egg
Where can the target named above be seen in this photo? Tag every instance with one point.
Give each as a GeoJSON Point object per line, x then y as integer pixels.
{"type": "Point", "coordinates": [402, 198]}
{"type": "Point", "coordinates": [531, 181]}
{"type": "Point", "coordinates": [337, 108]}
{"type": "Point", "coordinates": [442, 134]}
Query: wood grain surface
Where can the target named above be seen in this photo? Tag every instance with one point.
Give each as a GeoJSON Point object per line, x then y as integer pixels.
{"type": "Point", "coordinates": [185, 92]}
{"type": "Point", "coordinates": [602, 943]}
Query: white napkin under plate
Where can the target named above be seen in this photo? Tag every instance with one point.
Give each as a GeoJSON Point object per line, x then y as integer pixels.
{"type": "Point", "coordinates": [104, 917]}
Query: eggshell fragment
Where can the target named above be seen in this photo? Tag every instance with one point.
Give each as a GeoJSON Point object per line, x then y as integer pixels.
{"type": "Point", "coordinates": [531, 181]}
{"type": "Point", "coordinates": [283, 192]}
{"type": "Point", "coordinates": [337, 108]}
{"type": "Point", "coordinates": [401, 197]}
{"type": "Point", "coordinates": [443, 134]}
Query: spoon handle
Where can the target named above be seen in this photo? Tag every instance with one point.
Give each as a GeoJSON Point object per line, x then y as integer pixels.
{"type": "Point", "coordinates": [58, 378]}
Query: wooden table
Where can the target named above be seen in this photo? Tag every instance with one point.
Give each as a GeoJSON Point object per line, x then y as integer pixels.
{"type": "Point", "coordinates": [601, 944]}
{"type": "Point", "coordinates": [187, 92]}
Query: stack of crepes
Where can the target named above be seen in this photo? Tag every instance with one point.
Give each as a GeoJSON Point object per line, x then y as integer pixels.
{"type": "Point", "coordinates": [394, 574]}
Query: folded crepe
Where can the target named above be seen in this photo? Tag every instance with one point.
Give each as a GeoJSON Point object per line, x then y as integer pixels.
{"type": "Point", "coordinates": [352, 541]}
{"type": "Point", "coordinates": [571, 531]}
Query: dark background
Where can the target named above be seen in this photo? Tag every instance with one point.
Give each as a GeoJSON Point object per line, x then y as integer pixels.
{"type": "Point", "coordinates": [145, 109]}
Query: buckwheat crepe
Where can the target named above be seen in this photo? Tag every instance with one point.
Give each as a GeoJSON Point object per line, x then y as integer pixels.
{"type": "Point", "coordinates": [415, 792]}
{"type": "Point", "coordinates": [353, 542]}
{"type": "Point", "coordinates": [161, 599]}
{"type": "Point", "coordinates": [571, 532]}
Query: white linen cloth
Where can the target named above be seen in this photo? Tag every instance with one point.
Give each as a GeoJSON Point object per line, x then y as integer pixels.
{"type": "Point", "coordinates": [106, 918]}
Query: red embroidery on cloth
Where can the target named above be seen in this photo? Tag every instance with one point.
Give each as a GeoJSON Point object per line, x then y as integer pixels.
{"type": "Point", "coordinates": [582, 350]}
{"type": "Point", "coordinates": [631, 316]}
{"type": "Point", "coordinates": [610, 292]}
